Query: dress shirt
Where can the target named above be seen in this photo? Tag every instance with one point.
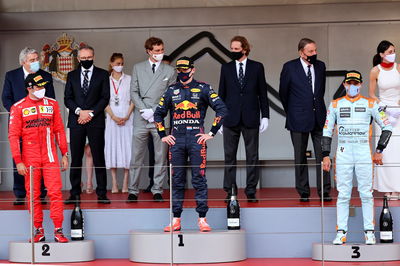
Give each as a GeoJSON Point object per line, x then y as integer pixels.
{"type": "Point", "coordinates": [305, 67]}
{"type": "Point", "coordinates": [157, 65]}
{"type": "Point", "coordinates": [238, 67]}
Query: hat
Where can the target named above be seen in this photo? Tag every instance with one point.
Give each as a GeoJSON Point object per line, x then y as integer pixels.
{"type": "Point", "coordinates": [35, 79]}
{"type": "Point", "coordinates": [184, 62]}
{"type": "Point", "coordinates": [353, 75]}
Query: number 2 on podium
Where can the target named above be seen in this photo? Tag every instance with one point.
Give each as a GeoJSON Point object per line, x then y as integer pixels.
{"type": "Point", "coordinates": [45, 249]}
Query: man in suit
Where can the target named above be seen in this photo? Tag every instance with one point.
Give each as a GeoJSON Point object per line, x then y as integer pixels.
{"type": "Point", "coordinates": [13, 91]}
{"type": "Point", "coordinates": [301, 90]}
{"type": "Point", "coordinates": [243, 88]}
{"type": "Point", "coordinates": [87, 93]}
{"type": "Point", "coordinates": [150, 79]}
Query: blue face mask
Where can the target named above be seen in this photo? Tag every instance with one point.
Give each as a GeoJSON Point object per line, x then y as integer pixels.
{"type": "Point", "coordinates": [34, 66]}
{"type": "Point", "coordinates": [353, 90]}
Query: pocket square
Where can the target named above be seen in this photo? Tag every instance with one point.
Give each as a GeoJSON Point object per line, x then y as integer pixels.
{"type": "Point", "coordinates": [165, 79]}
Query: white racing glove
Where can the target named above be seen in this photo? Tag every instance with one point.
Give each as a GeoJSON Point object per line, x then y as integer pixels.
{"type": "Point", "coordinates": [263, 124]}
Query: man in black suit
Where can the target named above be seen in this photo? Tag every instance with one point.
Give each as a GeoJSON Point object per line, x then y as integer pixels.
{"type": "Point", "coordinates": [301, 90]}
{"type": "Point", "coordinates": [87, 93]}
{"type": "Point", "coordinates": [13, 91]}
{"type": "Point", "coordinates": [243, 88]}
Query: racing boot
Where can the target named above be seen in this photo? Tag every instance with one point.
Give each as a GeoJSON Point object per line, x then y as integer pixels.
{"type": "Point", "coordinates": [340, 238]}
{"type": "Point", "coordinates": [39, 235]}
{"type": "Point", "coordinates": [370, 237]}
{"type": "Point", "coordinates": [59, 236]}
{"type": "Point", "coordinates": [176, 225]}
{"type": "Point", "coordinates": [203, 225]}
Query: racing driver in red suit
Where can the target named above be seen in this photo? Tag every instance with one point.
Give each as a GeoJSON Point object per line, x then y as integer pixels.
{"type": "Point", "coordinates": [37, 121]}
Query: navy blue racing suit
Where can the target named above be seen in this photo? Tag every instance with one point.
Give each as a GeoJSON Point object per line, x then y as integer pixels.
{"type": "Point", "coordinates": [188, 105]}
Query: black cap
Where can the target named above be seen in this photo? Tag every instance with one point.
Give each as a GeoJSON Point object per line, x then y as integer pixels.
{"type": "Point", "coordinates": [184, 62]}
{"type": "Point", "coordinates": [353, 75]}
{"type": "Point", "coordinates": [35, 79]}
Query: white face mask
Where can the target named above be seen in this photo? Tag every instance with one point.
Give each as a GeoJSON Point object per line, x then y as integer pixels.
{"type": "Point", "coordinates": [157, 57]}
{"type": "Point", "coordinates": [118, 68]}
{"type": "Point", "coordinates": [390, 57]}
{"type": "Point", "coordinates": [40, 93]}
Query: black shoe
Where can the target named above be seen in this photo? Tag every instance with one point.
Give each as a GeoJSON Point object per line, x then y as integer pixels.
{"type": "Point", "coordinates": [132, 198]}
{"type": "Point", "coordinates": [19, 201]}
{"type": "Point", "coordinates": [227, 198]}
{"type": "Point", "coordinates": [327, 197]}
{"type": "Point", "coordinates": [103, 200]}
{"type": "Point", "coordinates": [158, 197]}
{"type": "Point", "coordinates": [304, 198]}
{"type": "Point", "coordinates": [43, 201]}
{"type": "Point", "coordinates": [73, 200]}
{"type": "Point", "coordinates": [251, 198]}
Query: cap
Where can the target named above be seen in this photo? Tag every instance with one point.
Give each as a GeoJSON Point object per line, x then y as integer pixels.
{"type": "Point", "coordinates": [35, 79]}
{"type": "Point", "coordinates": [184, 62]}
{"type": "Point", "coordinates": [353, 75]}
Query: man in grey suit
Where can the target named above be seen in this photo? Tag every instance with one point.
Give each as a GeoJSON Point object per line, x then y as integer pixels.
{"type": "Point", "coordinates": [149, 81]}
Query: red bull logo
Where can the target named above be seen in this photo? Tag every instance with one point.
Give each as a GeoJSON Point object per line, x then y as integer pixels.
{"type": "Point", "coordinates": [187, 114]}
{"type": "Point", "coordinates": [185, 105]}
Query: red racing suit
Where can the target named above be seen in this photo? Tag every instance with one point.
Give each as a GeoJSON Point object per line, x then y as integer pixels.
{"type": "Point", "coordinates": [38, 124]}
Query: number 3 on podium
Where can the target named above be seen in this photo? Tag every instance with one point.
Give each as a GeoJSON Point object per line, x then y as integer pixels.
{"type": "Point", "coordinates": [356, 252]}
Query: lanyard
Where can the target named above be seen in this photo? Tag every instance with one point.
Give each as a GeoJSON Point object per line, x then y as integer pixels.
{"type": "Point", "coordinates": [116, 90]}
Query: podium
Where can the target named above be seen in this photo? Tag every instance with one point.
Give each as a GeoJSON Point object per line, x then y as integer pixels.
{"type": "Point", "coordinates": [187, 246]}
{"type": "Point", "coordinates": [356, 252]}
{"type": "Point", "coordinates": [73, 251]}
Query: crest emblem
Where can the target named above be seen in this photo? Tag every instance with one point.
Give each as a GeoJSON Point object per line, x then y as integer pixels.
{"type": "Point", "coordinates": [61, 57]}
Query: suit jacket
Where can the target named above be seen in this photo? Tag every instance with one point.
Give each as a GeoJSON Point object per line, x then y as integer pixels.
{"type": "Point", "coordinates": [14, 86]}
{"type": "Point", "coordinates": [304, 109]}
{"type": "Point", "coordinates": [148, 87]}
{"type": "Point", "coordinates": [244, 106]}
{"type": "Point", "coordinates": [97, 98]}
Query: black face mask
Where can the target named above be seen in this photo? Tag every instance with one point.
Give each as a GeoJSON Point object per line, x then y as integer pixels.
{"type": "Point", "coordinates": [183, 77]}
{"type": "Point", "coordinates": [312, 59]}
{"type": "Point", "coordinates": [236, 55]}
{"type": "Point", "coordinates": [87, 64]}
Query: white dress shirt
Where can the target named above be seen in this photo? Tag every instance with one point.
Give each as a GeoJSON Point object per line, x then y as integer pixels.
{"type": "Point", "coordinates": [238, 66]}
{"type": "Point", "coordinates": [157, 65]}
{"type": "Point", "coordinates": [305, 67]}
{"type": "Point", "coordinates": [26, 73]}
{"type": "Point", "coordinates": [89, 74]}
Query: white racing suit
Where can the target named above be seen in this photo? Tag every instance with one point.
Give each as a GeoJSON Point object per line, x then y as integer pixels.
{"type": "Point", "coordinates": [353, 117]}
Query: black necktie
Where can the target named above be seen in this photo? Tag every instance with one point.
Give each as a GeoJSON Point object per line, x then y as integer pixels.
{"type": "Point", "coordinates": [309, 75]}
{"type": "Point", "coordinates": [153, 67]}
{"type": "Point", "coordinates": [85, 85]}
{"type": "Point", "coordinates": [241, 75]}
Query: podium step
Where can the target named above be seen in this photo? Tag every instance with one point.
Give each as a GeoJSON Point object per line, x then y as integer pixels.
{"type": "Point", "coordinates": [356, 252]}
{"type": "Point", "coordinates": [73, 251]}
{"type": "Point", "coordinates": [188, 246]}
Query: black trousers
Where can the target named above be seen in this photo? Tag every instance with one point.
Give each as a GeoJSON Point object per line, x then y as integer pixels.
{"type": "Point", "coordinates": [19, 183]}
{"type": "Point", "coordinates": [231, 142]}
{"type": "Point", "coordinates": [96, 143]}
{"type": "Point", "coordinates": [300, 142]}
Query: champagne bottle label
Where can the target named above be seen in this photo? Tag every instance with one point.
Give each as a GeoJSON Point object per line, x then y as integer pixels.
{"type": "Point", "coordinates": [233, 222]}
{"type": "Point", "coordinates": [76, 233]}
{"type": "Point", "coordinates": [386, 235]}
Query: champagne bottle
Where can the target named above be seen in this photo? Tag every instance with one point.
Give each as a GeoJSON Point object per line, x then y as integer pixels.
{"type": "Point", "coordinates": [233, 211]}
{"type": "Point", "coordinates": [77, 223]}
{"type": "Point", "coordinates": [386, 223]}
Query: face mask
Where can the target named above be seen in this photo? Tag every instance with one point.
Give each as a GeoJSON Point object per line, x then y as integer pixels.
{"type": "Point", "coordinates": [236, 55]}
{"type": "Point", "coordinates": [40, 93]}
{"type": "Point", "coordinates": [34, 66]}
{"type": "Point", "coordinates": [183, 77]}
{"type": "Point", "coordinates": [390, 58]}
{"type": "Point", "coordinates": [118, 68]}
{"type": "Point", "coordinates": [157, 57]}
{"type": "Point", "coordinates": [353, 90]}
{"type": "Point", "coordinates": [312, 59]}
{"type": "Point", "coordinates": [87, 64]}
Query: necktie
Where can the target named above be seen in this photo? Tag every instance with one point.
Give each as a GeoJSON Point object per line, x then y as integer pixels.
{"type": "Point", "coordinates": [241, 75]}
{"type": "Point", "coordinates": [309, 75]}
{"type": "Point", "coordinates": [153, 67]}
{"type": "Point", "coordinates": [85, 85]}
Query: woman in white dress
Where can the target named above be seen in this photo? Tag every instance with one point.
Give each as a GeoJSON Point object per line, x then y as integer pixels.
{"type": "Point", "coordinates": [386, 74]}
{"type": "Point", "coordinates": [119, 123]}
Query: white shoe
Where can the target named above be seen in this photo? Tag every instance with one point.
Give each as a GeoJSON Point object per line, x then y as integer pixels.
{"type": "Point", "coordinates": [370, 237]}
{"type": "Point", "coordinates": [340, 238]}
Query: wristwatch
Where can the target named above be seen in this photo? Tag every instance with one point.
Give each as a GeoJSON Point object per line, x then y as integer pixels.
{"type": "Point", "coordinates": [211, 134]}
{"type": "Point", "coordinates": [66, 154]}
{"type": "Point", "coordinates": [91, 114]}
{"type": "Point", "coordinates": [379, 151]}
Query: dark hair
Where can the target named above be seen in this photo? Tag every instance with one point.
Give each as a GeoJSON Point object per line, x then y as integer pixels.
{"type": "Point", "coordinates": [150, 42]}
{"type": "Point", "coordinates": [244, 42]}
{"type": "Point", "coordinates": [113, 57]}
{"type": "Point", "coordinates": [382, 47]}
{"type": "Point", "coordinates": [303, 42]}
